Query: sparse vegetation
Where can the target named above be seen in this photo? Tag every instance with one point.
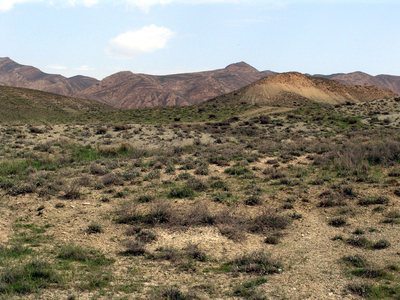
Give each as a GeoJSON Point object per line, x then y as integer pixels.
{"type": "Point", "coordinates": [216, 205]}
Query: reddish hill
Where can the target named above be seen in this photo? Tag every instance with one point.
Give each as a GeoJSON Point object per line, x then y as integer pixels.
{"type": "Point", "coordinates": [14, 74]}
{"type": "Point", "coordinates": [387, 82]}
{"type": "Point", "coordinates": [127, 90]}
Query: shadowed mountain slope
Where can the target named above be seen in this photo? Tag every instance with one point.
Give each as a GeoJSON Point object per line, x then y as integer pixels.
{"type": "Point", "coordinates": [20, 104]}
{"type": "Point", "coordinates": [295, 89]}
{"type": "Point", "coordinates": [14, 74]}
{"type": "Point", "coordinates": [127, 90]}
{"type": "Point", "coordinates": [387, 82]}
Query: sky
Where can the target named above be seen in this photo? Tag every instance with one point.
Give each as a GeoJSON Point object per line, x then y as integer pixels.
{"type": "Point", "coordinates": [98, 38]}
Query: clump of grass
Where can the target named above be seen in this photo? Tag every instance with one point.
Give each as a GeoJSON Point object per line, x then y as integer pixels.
{"type": "Point", "coordinates": [381, 244]}
{"type": "Point", "coordinates": [72, 252]}
{"type": "Point", "coordinates": [369, 272]}
{"type": "Point", "coordinates": [146, 236]}
{"type": "Point", "coordinates": [366, 201]}
{"type": "Point", "coordinates": [145, 198]}
{"type": "Point", "coordinates": [272, 240]}
{"type": "Point", "coordinates": [110, 179]}
{"type": "Point", "coordinates": [94, 228]}
{"type": "Point", "coordinates": [101, 130]}
{"type": "Point", "coordinates": [356, 260]}
{"type": "Point", "coordinates": [197, 185]}
{"type": "Point", "coordinates": [28, 278]}
{"type": "Point", "coordinates": [358, 241]}
{"type": "Point", "coordinates": [181, 192]}
{"type": "Point", "coordinates": [337, 222]}
{"type": "Point", "coordinates": [258, 263]}
{"type": "Point", "coordinates": [253, 200]}
{"type": "Point", "coordinates": [269, 220]}
{"type": "Point", "coordinates": [358, 231]}
{"type": "Point", "coordinates": [194, 252]}
{"type": "Point", "coordinates": [174, 293]}
{"type": "Point", "coordinates": [134, 248]}
{"type": "Point", "coordinates": [362, 289]}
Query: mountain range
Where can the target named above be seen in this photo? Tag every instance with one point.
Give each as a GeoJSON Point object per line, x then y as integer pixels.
{"type": "Point", "coordinates": [127, 90]}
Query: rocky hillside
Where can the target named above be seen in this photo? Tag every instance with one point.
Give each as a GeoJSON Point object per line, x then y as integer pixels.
{"type": "Point", "coordinates": [387, 82]}
{"type": "Point", "coordinates": [127, 90]}
{"type": "Point", "coordinates": [295, 89]}
{"type": "Point", "coordinates": [21, 104]}
{"type": "Point", "coordinates": [14, 74]}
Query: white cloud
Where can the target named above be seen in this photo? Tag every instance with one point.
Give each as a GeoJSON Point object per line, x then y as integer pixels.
{"type": "Point", "coordinates": [57, 67]}
{"type": "Point", "coordinates": [85, 68]}
{"type": "Point", "coordinates": [87, 3]}
{"type": "Point", "coordinates": [145, 40]}
{"type": "Point", "coordinates": [6, 5]}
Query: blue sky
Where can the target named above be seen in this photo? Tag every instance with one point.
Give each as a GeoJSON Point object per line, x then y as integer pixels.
{"type": "Point", "coordinates": [100, 37]}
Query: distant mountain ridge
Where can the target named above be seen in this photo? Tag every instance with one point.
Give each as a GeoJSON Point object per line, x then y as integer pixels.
{"type": "Point", "coordinates": [126, 90]}
{"type": "Point", "coordinates": [14, 74]}
{"type": "Point", "coordinates": [387, 82]}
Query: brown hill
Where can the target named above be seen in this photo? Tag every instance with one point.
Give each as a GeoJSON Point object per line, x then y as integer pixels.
{"type": "Point", "coordinates": [14, 74]}
{"type": "Point", "coordinates": [387, 82]}
{"type": "Point", "coordinates": [21, 104]}
{"type": "Point", "coordinates": [126, 90]}
{"type": "Point", "coordinates": [295, 89]}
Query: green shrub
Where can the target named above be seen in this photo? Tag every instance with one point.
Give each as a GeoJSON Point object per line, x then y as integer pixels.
{"type": "Point", "coordinates": [181, 192]}
{"type": "Point", "coordinates": [257, 262]}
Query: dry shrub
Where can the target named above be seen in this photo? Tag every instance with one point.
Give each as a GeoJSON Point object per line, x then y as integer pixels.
{"type": "Point", "coordinates": [267, 221]}
{"type": "Point", "coordinates": [111, 179]}
{"type": "Point", "coordinates": [101, 130]}
{"type": "Point", "coordinates": [134, 248]}
{"type": "Point", "coordinates": [199, 215]}
{"type": "Point", "coordinates": [120, 127]}
{"type": "Point", "coordinates": [85, 180]}
{"type": "Point", "coordinates": [97, 169]}
{"type": "Point", "coordinates": [257, 262]}
{"type": "Point", "coordinates": [162, 213]}
{"type": "Point", "coordinates": [128, 213]}
{"type": "Point", "coordinates": [73, 191]}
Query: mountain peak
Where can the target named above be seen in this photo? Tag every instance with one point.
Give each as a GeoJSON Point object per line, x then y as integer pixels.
{"type": "Point", "coordinates": [240, 66]}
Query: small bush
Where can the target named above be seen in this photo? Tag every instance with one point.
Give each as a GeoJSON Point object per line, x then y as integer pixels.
{"type": "Point", "coordinates": [253, 200]}
{"type": "Point", "coordinates": [194, 252]}
{"type": "Point", "coordinates": [197, 185]}
{"type": "Point", "coordinates": [257, 262]}
{"type": "Point", "coordinates": [101, 130]}
{"type": "Point", "coordinates": [134, 248]}
{"type": "Point", "coordinates": [369, 272]}
{"type": "Point", "coordinates": [174, 293]}
{"type": "Point", "coordinates": [146, 236]}
{"type": "Point", "coordinates": [358, 241]}
{"type": "Point", "coordinates": [358, 231]}
{"type": "Point", "coordinates": [94, 228]}
{"type": "Point", "coordinates": [73, 191]}
{"type": "Point", "coordinates": [338, 222]}
{"type": "Point", "coordinates": [357, 261]}
{"type": "Point", "coordinates": [202, 170]}
{"type": "Point", "coordinates": [381, 244]}
{"type": "Point", "coordinates": [96, 169]}
{"type": "Point", "coordinates": [181, 192]}
{"type": "Point", "coordinates": [361, 289]}
{"type": "Point", "coordinates": [145, 198]}
{"type": "Point", "coordinates": [111, 179]}
{"type": "Point", "coordinates": [269, 220]}
{"type": "Point", "coordinates": [374, 201]}
{"type": "Point", "coordinates": [272, 239]}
